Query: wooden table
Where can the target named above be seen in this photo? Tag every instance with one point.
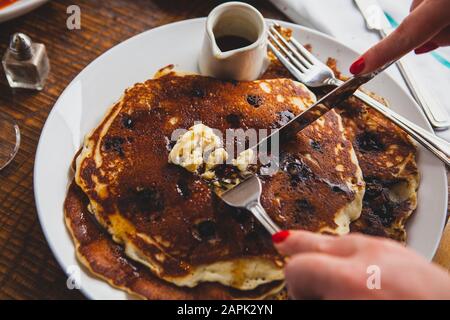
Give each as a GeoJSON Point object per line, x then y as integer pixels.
{"type": "Point", "coordinates": [28, 269]}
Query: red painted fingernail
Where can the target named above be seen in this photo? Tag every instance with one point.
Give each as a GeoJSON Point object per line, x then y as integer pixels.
{"type": "Point", "coordinates": [357, 66]}
{"type": "Point", "coordinates": [280, 236]}
{"type": "Point", "coordinates": [429, 46]}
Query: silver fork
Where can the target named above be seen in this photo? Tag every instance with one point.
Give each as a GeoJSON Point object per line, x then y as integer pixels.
{"type": "Point", "coordinates": [246, 195]}
{"type": "Point", "coordinates": [309, 70]}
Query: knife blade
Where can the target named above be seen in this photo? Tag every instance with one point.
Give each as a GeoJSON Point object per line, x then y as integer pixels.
{"type": "Point", "coordinates": [374, 16]}
{"type": "Point", "coordinates": [376, 20]}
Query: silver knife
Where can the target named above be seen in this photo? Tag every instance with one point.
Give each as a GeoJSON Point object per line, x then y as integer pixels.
{"type": "Point", "coordinates": [376, 20]}
{"type": "Point", "coordinates": [439, 147]}
{"type": "Point", "coordinates": [318, 109]}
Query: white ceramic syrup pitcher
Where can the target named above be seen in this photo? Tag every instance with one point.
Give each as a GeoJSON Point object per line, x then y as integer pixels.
{"type": "Point", "coordinates": [235, 44]}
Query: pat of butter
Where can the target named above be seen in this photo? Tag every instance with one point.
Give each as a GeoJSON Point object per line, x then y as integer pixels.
{"type": "Point", "coordinates": [190, 148]}
{"type": "Point", "coordinates": [200, 145]}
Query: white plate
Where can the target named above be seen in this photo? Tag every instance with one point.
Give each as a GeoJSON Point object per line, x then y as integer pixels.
{"type": "Point", "coordinates": [85, 101]}
{"type": "Point", "coordinates": [19, 8]}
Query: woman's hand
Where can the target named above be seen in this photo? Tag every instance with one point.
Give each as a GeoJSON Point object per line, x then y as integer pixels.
{"type": "Point", "coordinates": [426, 28]}
{"type": "Point", "coordinates": [357, 267]}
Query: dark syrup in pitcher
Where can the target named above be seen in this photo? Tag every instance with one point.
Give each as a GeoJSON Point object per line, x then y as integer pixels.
{"type": "Point", "coordinates": [228, 43]}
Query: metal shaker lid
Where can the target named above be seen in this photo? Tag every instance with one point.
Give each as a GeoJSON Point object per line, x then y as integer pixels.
{"type": "Point", "coordinates": [21, 46]}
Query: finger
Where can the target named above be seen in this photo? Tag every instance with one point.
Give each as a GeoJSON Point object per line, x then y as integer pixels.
{"type": "Point", "coordinates": [313, 275]}
{"type": "Point", "coordinates": [300, 241]}
{"type": "Point", "coordinates": [423, 23]}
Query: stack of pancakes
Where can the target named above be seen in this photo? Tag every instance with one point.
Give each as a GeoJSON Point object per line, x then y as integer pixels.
{"type": "Point", "coordinates": [155, 230]}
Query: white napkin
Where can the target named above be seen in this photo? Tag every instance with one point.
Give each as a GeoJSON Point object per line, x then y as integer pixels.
{"type": "Point", "coordinates": [342, 20]}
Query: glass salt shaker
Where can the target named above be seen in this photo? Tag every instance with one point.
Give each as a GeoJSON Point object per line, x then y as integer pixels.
{"type": "Point", "coordinates": [26, 63]}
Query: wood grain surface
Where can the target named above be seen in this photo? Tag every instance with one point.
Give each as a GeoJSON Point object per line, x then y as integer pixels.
{"type": "Point", "coordinates": [28, 269]}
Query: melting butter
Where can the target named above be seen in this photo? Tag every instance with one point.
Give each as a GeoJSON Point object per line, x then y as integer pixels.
{"type": "Point", "coordinates": [190, 148]}
{"type": "Point", "coordinates": [201, 146]}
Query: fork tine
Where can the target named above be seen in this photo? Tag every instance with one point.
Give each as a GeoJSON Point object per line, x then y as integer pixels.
{"type": "Point", "coordinates": [302, 67]}
{"type": "Point", "coordinates": [305, 52]}
{"type": "Point", "coordinates": [292, 69]}
{"type": "Point", "coordinates": [297, 54]}
{"type": "Point", "coordinates": [299, 46]}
